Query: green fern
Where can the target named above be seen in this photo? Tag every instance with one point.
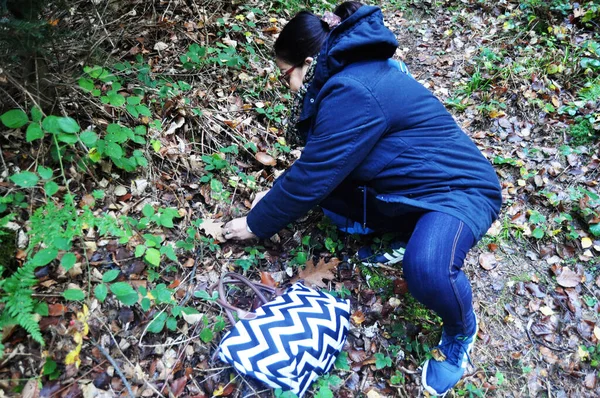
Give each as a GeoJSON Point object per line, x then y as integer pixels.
{"type": "Point", "coordinates": [16, 295]}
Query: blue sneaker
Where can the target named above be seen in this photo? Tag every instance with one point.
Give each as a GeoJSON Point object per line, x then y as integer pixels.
{"type": "Point", "coordinates": [450, 359]}
{"type": "Point", "coordinates": [370, 259]}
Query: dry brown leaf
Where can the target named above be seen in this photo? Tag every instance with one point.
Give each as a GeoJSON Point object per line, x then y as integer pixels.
{"type": "Point", "coordinates": [56, 309]}
{"type": "Point", "coordinates": [267, 279]}
{"type": "Point", "coordinates": [358, 317]}
{"type": "Point", "coordinates": [568, 278]}
{"type": "Point", "coordinates": [31, 389]}
{"type": "Point", "coordinates": [178, 385]}
{"type": "Point", "coordinates": [357, 355]}
{"type": "Point", "coordinates": [488, 261]}
{"type": "Point", "coordinates": [213, 228]}
{"type": "Point", "coordinates": [313, 275]}
{"type": "Point", "coordinates": [265, 159]}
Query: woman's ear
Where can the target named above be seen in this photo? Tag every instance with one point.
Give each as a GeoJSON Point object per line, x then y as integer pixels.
{"type": "Point", "coordinates": [308, 61]}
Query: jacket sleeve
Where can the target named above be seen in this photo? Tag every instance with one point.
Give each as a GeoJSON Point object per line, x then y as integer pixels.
{"type": "Point", "coordinates": [348, 124]}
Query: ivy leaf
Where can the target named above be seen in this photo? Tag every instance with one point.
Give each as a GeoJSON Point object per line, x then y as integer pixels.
{"type": "Point", "coordinates": [158, 323]}
{"type": "Point", "coordinates": [43, 257]}
{"type": "Point", "coordinates": [152, 256]}
{"type": "Point", "coordinates": [50, 188]}
{"type": "Point", "coordinates": [139, 250]}
{"type": "Point", "coordinates": [101, 291]}
{"type": "Point", "coordinates": [131, 109]}
{"type": "Point", "coordinates": [595, 229]}
{"type": "Point", "coordinates": [116, 100]}
{"type": "Point", "coordinates": [143, 110]}
{"type": "Point", "coordinates": [67, 138]}
{"type": "Point", "coordinates": [382, 361]}
{"type": "Point", "coordinates": [134, 100]}
{"type": "Point", "coordinates": [74, 294]}
{"type": "Point", "coordinates": [114, 150]}
{"type": "Point", "coordinates": [51, 124]}
{"type": "Point", "coordinates": [68, 261]}
{"type": "Point", "coordinates": [36, 114]}
{"type": "Point", "coordinates": [538, 233]}
{"type": "Point", "coordinates": [45, 172]}
{"type": "Point", "coordinates": [110, 275]}
{"type": "Point", "coordinates": [171, 324]}
{"type": "Point", "coordinates": [169, 252]}
{"type": "Point", "coordinates": [68, 125]}
{"type": "Point", "coordinates": [88, 137]}
{"type": "Point", "coordinates": [122, 289]}
{"type": "Point", "coordinates": [34, 132]}
{"type": "Point", "coordinates": [14, 119]}
{"type": "Point", "coordinates": [145, 304]}
{"type": "Point", "coordinates": [128, 299]}
{"type": "Point", "coordinates": [341, 362]}
{"type": "Point", "coordinates": [86, 84]}
{"type": "Point", "coordinates": [25, 179]}
{"type": "Point", "coordinates": [206, 335]}
{"type": "Point", "coordinates": [148, 210]}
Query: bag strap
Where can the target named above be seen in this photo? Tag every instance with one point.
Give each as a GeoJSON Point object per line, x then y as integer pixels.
{"type": "Point", "coordinates": [232, 278]}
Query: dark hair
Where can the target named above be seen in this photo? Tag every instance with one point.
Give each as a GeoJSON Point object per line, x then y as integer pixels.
{"type": "Point", "coordinates": [347, 8]}
{"type": "Point", "coordinates": [305, 34]}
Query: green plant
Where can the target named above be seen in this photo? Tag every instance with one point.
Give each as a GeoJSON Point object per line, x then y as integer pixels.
{"type": "Point", "coordinates": [470, 390]}
{"type": "Point", "coordinates": [397, 378]}
{"type": "Point", "coordinates": [324, 385]}
{"type": "Point", "coordinates": [382, 361]}
{"type": "Point", "coordinates": [252, 258]}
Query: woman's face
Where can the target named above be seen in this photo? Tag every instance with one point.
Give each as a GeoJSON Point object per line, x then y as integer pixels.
{"type": "Point", "coordinates": [293, 75]}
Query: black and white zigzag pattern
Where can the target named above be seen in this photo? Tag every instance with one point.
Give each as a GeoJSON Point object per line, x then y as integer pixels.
{"type": "Point", "coordinates": [293, 340]}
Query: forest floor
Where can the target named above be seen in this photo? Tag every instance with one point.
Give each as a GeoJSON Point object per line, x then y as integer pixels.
{"type": "Point", "coordinates": [118, 174]}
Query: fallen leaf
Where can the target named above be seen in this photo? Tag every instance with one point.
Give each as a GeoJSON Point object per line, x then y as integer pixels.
{"type": "Point", "coordinates": [178, 386]}
{"type": "Point", "coordinates": [120, 190]}
{"type": "Point", "coordinates": [373, 394]}
{"type": "Point", "coordinates": [546, 310]}
{"type": "Point", "coordinates": [549, 355]}
{"type": "Point", "coordinates": [586, 242]}
{"type": "Point", "coordinates": [488, 261]}
{"type": "Point", "coordinates": [56, 309]}
{"type": "Point", "coordinates": [267, 279]}
{"type": "Point", "coordinates": [161, 46]}
{"type": "Point", "coordinates": [87, 200]}
{"type": "Point", "coordinates": [31, 389]}
{"type": "Point", "coordinates": [213, 228]}
{"type": "Point", "coordinates": [265, 159]}
{"type": "Point", "coordinates": [568, 278]}
{"type": "Point", "coordinates": [358, 317]}
{"type": "Point", "coordinates": [590, 381]}
{"type": "Point", "coordinates": [313, 275]}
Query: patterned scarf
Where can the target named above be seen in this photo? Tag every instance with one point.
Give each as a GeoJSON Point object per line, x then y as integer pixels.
{"type": "Point", "coordinates": [293, 134]}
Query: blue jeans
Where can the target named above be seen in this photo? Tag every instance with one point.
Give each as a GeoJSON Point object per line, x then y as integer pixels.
{"type": "Point", "coordinates": [432, 265]}
{"type": "Point", "coordinates": [437, 246]}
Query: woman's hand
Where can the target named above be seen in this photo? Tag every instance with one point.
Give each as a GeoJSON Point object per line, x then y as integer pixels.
{"type": "Point", "coordinates": [258, 197]}
{"type": "Point", "coordinates": [237, 229]}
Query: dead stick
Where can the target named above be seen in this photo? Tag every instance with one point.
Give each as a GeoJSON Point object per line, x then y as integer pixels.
{"type": "Point", "coordinates": [117, 368]}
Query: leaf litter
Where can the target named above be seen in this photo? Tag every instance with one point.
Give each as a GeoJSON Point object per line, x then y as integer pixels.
{"type": "Point", "coordinates": [535, 281]}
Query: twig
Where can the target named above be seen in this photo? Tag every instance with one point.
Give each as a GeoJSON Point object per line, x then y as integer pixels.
{"type": "Point", "coordinates": [117, 368]}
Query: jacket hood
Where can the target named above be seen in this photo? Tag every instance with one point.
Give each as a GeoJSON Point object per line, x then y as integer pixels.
{"type": "Point", "coordinates": [361, 37]}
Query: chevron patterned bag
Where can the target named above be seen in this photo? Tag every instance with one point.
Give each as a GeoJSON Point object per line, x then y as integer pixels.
{"type": "Point", "coordinates": [289, 341]}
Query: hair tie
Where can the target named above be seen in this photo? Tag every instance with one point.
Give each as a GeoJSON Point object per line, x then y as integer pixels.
{"type": "Point", "coordinates": [331, 20]}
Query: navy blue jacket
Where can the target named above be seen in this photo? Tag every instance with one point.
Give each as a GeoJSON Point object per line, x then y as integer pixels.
{"type": "Point", "coordinates": [369, 124]}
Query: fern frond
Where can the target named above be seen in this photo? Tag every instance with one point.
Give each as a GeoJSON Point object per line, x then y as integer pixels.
{"type": "Point", "coordinates": [28, 322]}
